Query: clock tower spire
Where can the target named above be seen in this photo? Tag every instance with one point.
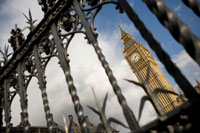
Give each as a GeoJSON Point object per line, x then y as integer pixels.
{"type": "Point", "coordinates": [126, 38]}
{"type": "Point", "coordinates": [137, 54]}
{"type": "Point", "coordinates": [123, 33]}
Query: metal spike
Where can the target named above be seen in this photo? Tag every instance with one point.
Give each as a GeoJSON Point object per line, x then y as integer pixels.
{"type": "Point", "coordinates": [104, 103]}
{"type": "Point", "coordinates": [65, 124]}
{"type": "Point", "coordinates": [111, 119]}
{"type": "Point", "coordinates": [103, 116]}
{"type": "Point", "coordinates": [12, 97]}
{"type": "Point", "coordinates": [134, 82]}
{"type": "Point", "coordinates": [1, 52]}
{"type": "Point", "coordinates": [9, 54]}
{"type": "Point", "coordinates": [142, 102]}
{"type": "Point", "coordinates": [26, 17]}
{"type": "Point", "coordinates": [97, 101]}
{"type": "Point", "coordinates": [34, 21]}
{"type": "Point", "coordinates": [94, 110]}
{"type": "Point", "coordinates": [148, 91]}
{"type": "Point", "coordinates": [30, 20]}
{"type": "Point", "coordinates": [5, 50]}
{"type": "Point", "coordinates": [30, 16]}
{"type": "Point", "coordinates": [160, 90]}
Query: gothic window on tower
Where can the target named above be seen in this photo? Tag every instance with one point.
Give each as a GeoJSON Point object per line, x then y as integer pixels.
{"type": "Point", "coordinates": [126, 39]}
{"type": "Point", "coordinates": [129, 42]}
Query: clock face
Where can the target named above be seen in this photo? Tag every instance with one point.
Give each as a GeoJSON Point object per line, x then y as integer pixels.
{"type": "Point", "coordinates": [135, 57]}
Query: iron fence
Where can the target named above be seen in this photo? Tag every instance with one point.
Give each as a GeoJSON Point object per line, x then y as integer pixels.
{"type": "Point", "coordinates": [27, 58]}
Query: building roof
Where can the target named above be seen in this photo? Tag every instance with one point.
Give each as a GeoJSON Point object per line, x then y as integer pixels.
{"type": "Point", "coordinates": [123, 33]}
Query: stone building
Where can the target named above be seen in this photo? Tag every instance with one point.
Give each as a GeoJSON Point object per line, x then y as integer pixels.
{"type": "Point", "coordinates": [75, 128]}
{"type": "Point", "coordinates": [137, 54]}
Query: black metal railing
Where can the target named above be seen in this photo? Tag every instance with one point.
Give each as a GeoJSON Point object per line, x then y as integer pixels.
{"type": "Point", "coordinates": [28, 57]}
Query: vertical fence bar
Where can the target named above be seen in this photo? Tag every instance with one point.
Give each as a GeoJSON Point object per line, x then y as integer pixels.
{"type": "Point", "coordinates": [42, 85]}
{"type": "Point", "coordinates": [22, 90]}
{"type": "Point", "coordinates": [64, 62]}
{"type": "Point", "coordinates": [162, 55]}
{"type": "Point", "coordinates": [130, 118]}
{"type": "Point", "coordinates": [23, 98]}
{"type": "Point", "coordinates": [42, 81]}
{"type": "Point", "coordinates": [178, 29]}
{"type": "Point", "coordinates": [1, 106]}
{"type": "Point", "coordinates": [7, 106]}
{"type": "Point", "coordinates": [194, 5]}
{"type": "Point", "coordinates": [149, 92]}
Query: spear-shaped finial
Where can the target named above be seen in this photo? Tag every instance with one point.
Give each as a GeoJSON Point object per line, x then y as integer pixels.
{"type": "Point", "coordinates": [65, 123]}
{"type": "Point", "coordinates": [30, 21]}
{"type": "Point", "coordinates": [101, 112]}
{"type": "Point", "coordinates": [5, 54]}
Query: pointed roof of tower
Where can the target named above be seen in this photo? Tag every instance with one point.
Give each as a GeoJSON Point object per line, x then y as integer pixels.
{"type": "Point", "coordinates": [123, 33]}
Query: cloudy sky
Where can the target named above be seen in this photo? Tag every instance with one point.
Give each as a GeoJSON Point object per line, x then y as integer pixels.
{"type": "Point", "coordinates": [86, 69]}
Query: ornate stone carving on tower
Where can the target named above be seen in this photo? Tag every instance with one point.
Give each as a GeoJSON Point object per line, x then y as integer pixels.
{"type": "Point", "coordinates": [137, 54]}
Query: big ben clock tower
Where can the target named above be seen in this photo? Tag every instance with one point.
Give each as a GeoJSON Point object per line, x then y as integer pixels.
{"type": "Point", "coordinates": [137, 54]}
